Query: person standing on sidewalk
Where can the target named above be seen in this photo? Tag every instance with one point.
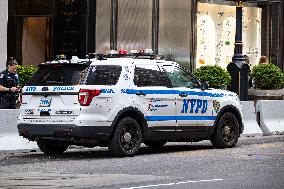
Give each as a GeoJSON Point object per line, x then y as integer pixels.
{"type": "Point", "coordinates": [9, 83]}
{"type": "Point", "coordinates": [263, 60]}
{"type": "Point", "coordinates": [250, 81]}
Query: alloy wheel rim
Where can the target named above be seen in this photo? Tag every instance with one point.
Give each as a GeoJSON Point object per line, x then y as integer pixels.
{"type": "Point", "coordinates": [128, 138]}
{"type": "Point", "coordinates": [228, 132]}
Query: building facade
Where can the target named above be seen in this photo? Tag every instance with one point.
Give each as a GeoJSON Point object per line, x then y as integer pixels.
{"type": "Point", "coordinates": [3, 33]}
{"type": "Point", "coordinates": [193, 33]}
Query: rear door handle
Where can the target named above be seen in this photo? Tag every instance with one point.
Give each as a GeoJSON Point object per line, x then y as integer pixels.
{"type": "Point", "coordinates": [140, 93]}
{"type": "Point", "coordinates": [183, 95]}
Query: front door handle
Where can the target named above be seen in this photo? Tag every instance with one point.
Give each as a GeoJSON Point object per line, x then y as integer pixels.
{"type": "Point", "coordinates": [183, 95]}
{"type": "Point", "coordinates": [140, 93]}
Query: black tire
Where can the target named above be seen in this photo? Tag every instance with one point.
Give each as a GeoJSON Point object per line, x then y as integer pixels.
{"type": "Point", "coordinates": [126, 139]}
{"type": "Point", "coordinates": [226, 133]}
{"type": "Point", "coordinates": [155, 144]}
{"type": "Point", "coordinates": [52, 147]}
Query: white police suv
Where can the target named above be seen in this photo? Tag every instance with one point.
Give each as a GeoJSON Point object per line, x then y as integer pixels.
{"type": "Point", "coordinates": [120, 101]}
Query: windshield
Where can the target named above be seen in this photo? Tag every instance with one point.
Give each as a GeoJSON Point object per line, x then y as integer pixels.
{"type": "Point", "coordinates": [54, 75]}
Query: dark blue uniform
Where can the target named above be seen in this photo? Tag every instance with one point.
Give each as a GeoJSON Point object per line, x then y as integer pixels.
{"type": "Point", "coordinates": [8, 99]}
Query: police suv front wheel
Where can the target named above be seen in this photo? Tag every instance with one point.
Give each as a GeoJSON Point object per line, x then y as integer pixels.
{"type": "Point", "coordinates": [226, 133]}
{"type": "Point", "coordinates": [52, 147]}
{"type": "Point", "coordinates": [126, 139]}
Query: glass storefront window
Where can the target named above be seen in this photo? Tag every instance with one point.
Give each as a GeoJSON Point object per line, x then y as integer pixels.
{"type": "Point", "coordinates": [216, 26]}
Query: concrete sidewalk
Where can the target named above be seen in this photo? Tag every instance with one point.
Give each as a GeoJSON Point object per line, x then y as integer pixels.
{"type": "Point", "coordinates": [12, 141]}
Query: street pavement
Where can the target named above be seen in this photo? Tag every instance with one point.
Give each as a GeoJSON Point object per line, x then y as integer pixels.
{"type": "Point", "coordinates": [256, 162]}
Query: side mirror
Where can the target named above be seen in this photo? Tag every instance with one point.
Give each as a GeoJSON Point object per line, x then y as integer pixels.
{"type": "Point", "coordinates": [204, 85]}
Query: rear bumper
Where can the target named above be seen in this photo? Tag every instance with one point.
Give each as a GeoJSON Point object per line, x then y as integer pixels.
{"type": "Point", "coordinates": [66, 131]}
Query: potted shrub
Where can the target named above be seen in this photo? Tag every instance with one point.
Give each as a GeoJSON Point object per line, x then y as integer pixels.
{"type": "Point", "coordinates": [267, 76]}
{"type": "Point", "coordinates": [216, 76]}
{"type": "Point", "coordinates": [268, 80]}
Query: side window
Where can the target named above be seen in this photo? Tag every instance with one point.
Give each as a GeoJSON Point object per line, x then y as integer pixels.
{"type": "Point", "coordinates": [150, 75]}
{"type": "Point", "coordinates": [180, 78]}
{"type": "Point", "coordinates": [104, 75]}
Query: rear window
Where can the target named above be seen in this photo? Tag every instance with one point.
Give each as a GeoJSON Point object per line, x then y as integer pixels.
{"type": "Point", "coordinates": [103, 75]}
{"type": "Point", "coordinates": [58, 75]}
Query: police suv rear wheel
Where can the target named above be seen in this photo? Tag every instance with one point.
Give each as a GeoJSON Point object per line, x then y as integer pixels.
{"type": "Point", "coordinates": [126, 138]}
{"type": "Point", "coordinates": [226, 133]}
{"type": "Point", "coordinates": [52, 147]}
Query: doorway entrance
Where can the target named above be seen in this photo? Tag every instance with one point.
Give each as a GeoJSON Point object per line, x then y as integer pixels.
{"type": "Point", "coordinates": [35, 40]}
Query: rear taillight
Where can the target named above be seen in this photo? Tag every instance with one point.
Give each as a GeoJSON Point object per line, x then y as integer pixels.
{"type": "Point", "coordinates": [86, 96]}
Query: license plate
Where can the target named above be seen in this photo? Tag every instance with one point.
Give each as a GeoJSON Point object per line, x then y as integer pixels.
{"type": "Point", "coordinates": [45, 102]}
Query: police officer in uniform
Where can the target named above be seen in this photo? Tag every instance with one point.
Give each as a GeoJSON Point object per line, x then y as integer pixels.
{"type": "Point", "coordinates": [9, 83]}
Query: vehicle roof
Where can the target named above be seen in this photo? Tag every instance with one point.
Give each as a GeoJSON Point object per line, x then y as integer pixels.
{"type": "Point", "coordinates": [108, 61]}
{"type": "Point", "coordinates": [129, 61]}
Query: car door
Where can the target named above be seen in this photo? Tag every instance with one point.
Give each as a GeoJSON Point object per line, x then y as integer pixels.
{"type": "Point", "coordinates": [192, 106]}
{"type": "Point", "coordinates": [156, 98]}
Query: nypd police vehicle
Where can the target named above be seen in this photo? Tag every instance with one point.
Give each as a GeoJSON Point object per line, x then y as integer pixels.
{"type": "Point", "coordinates": [121, 101]}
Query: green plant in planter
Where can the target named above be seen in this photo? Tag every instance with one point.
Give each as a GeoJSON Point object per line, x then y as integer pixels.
{"type": "Point", "coordinates": [25, 73]}
{"type": "Point", "coordinates": [216, 76]}
{"type": "Point", "coordinates": [267, 76]}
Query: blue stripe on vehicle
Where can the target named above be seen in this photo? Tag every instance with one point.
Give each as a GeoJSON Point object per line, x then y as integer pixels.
{"type": "Point", "coordinates": [168, 118]}
{"type": "Point", "coordinates": [133, 91]}
{"type": "Point", "coordinates": [194, 93]}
